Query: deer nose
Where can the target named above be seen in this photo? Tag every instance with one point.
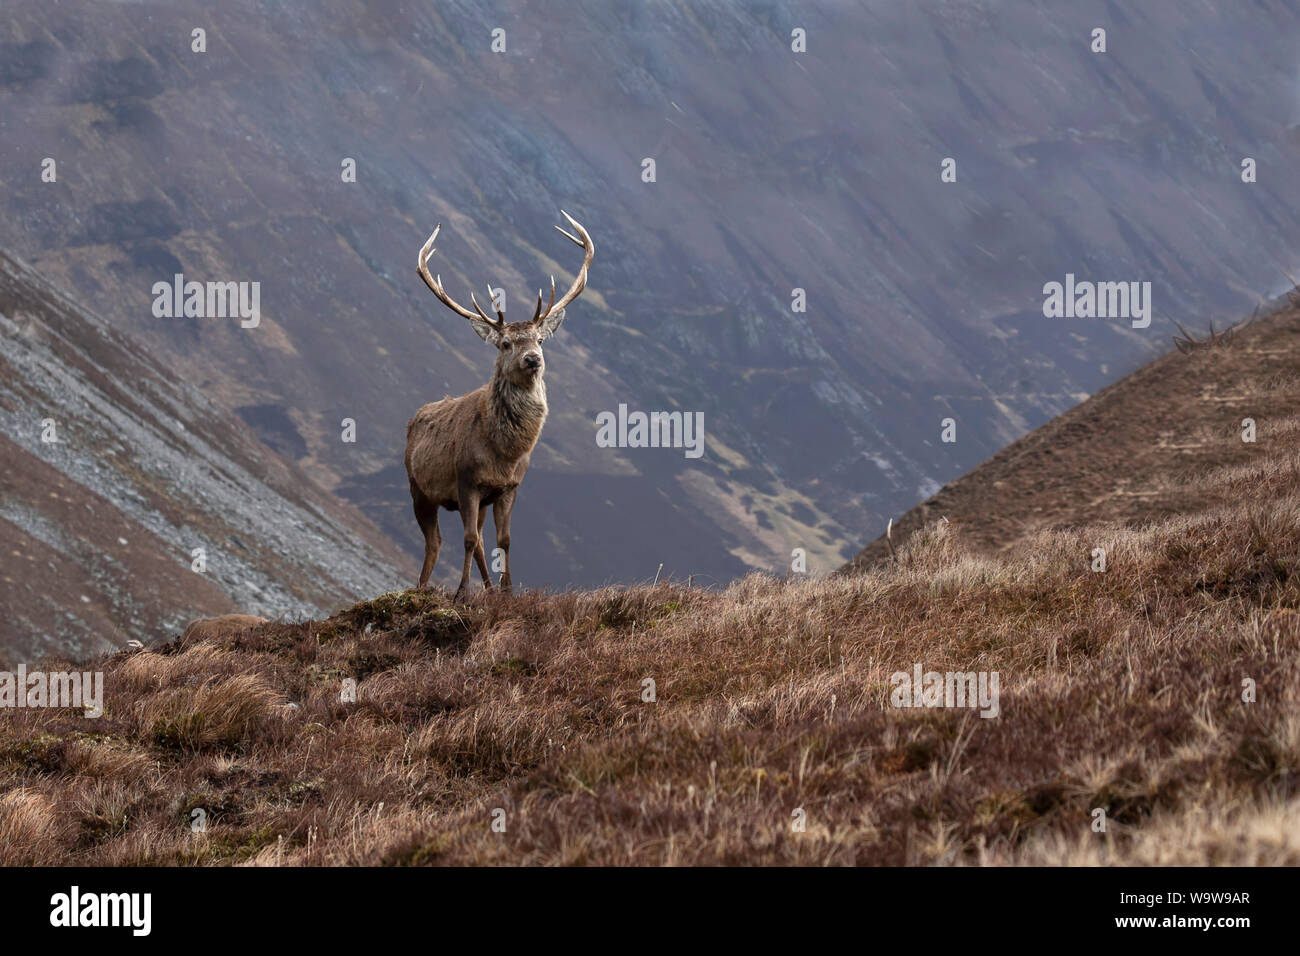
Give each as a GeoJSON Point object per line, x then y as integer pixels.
{"type": "Point", "coordinates": [532, 360]}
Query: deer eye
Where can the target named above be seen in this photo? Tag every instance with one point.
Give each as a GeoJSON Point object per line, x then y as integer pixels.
{"type": "Point", "coordinates": [507, 344]}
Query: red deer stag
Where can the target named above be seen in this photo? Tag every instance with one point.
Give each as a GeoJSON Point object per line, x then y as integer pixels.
{"type": "Point", "coordinates": [467, 453]}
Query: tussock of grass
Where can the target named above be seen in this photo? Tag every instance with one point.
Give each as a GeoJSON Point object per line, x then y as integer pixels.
{"type": "Point", "coordinates": [219, 712]}
{"type": "Point", "coordinates": [28, 825]}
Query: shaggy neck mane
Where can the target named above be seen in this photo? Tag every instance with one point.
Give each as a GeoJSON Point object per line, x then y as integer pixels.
{"type": "Point", "coordinates": [517, 414]}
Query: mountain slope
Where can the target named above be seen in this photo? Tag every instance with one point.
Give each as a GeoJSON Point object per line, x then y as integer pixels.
{"type": "Point", "coordinates": [665, 725]}
{"type": "Point", "coordinates": [776, 171]}
{"type": "Point", "coordinates": [1121, 456]}
{"type": "Point", "coordinates": [98, 525]}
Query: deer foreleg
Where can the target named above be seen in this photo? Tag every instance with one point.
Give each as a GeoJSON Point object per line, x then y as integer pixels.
{"type": "Point", "coordinates": [469, 512]}
{"type": "Point", "coordinates": [501, 518]}
{"type": "Point", "coordinates": [427, 515]}
{"type": "Point", "coordinates": [479, 557]}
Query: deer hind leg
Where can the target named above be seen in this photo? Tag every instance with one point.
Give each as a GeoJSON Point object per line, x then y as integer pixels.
{"type": "Point", "coordinates": [469, 515]}
{"type": "Point", "coordinates": [501, 518]}
{"type": "Point", "coordinates": [479, 557]}
{"type": "Point", "coordinates": [427, 515]}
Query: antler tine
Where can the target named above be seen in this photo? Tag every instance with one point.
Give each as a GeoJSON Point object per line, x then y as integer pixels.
{"type": "Point", "coordinates": [435, 285]}
{"type": "Point", "coordinates": [539, 313]}
{"type": "Point", "coordinates": [1187, 342]}
{"type": "Point", "coordinates": [580, 282]}
{"type": "Point", "coordinates": [501, 316]}
{"type": "Point", "coordinates": [483, 315]}
{"type": "Point", "coordinates": [1292, 294]}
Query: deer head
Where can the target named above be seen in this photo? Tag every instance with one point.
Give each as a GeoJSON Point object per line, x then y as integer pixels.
{"type": "Point", "coordinates": [519, 344]}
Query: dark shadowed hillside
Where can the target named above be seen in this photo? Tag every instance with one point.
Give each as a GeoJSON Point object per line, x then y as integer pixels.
{"type": "Point", "coordinates": [98, 524]}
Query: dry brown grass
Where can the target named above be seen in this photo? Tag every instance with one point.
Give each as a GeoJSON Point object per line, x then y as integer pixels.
{"type": "Point", "coordinates": [1120, 690]}
{"type": "Point", "coordinates": [1134, 451]}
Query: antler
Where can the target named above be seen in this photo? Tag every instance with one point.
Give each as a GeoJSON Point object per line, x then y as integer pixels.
{"type": "Point", "coordinates": [1190, 343]}
{"type": "Point", "coordinates": [579, 283]}
{"type": "Point", "coordinates": [537, 314]}
{"type": "Point", "coordinates": [435, 286]}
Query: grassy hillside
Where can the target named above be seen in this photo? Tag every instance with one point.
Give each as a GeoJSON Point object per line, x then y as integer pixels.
{"type": "Point", "coordinates": [1120, 690]}
{"type": "Point", "coordinates": [1125, 454]}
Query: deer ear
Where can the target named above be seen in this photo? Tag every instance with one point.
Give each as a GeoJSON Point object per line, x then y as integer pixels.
{"type": "Point", "coordinates": [485, 331]}
{"type": "Point", "coordinates": [550, 324]}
